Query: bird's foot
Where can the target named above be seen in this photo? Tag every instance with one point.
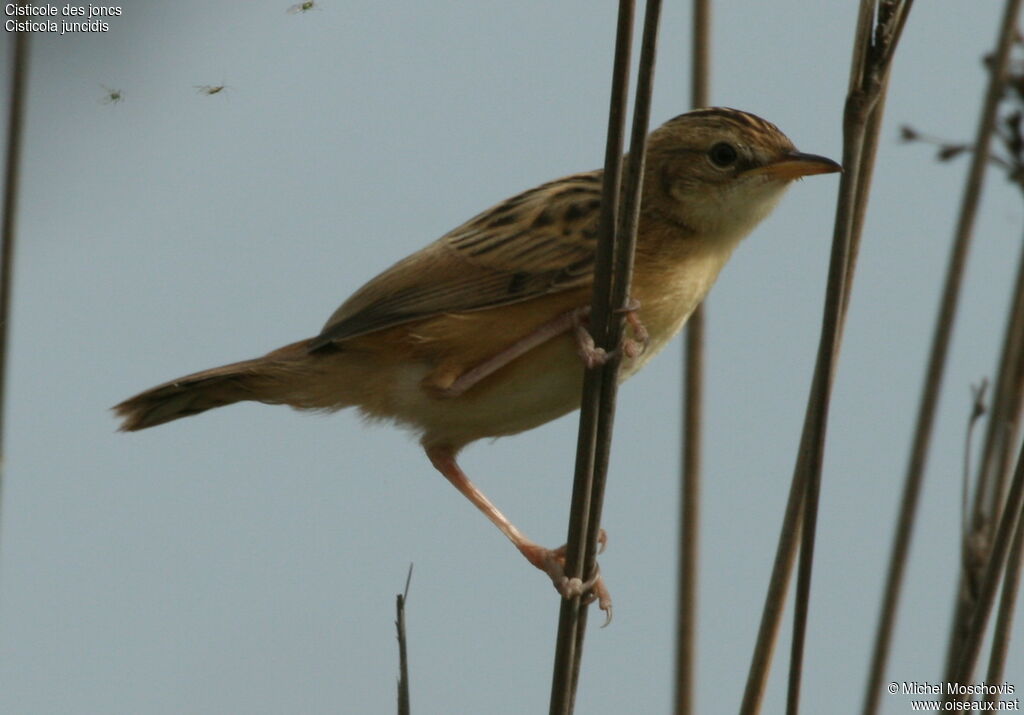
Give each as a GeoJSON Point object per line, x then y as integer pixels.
{"type": "Point", "coordinates": [636, 345]}
{"type": "Point", "coordinates": [632, 347]}
{"type": "Point", "coordinates": [552, 562]}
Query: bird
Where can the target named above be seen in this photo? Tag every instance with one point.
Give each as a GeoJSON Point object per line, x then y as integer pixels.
{"type": "Point", "coordinates": [483, 333]}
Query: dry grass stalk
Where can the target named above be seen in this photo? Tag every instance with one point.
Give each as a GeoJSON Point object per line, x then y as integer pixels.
{"type": "Point", "coordinates": [936, 368]}
{"type": "Point", "coordinates": [15, 121]}
{"type": "Point", "coordinates": [403, 655]}
{"type": "Point", "coordinates": [582, 534]}
{"type": "Point", "coordinates": [1004, 619]}
{"type": "Point", "coordinates": [693, 377]}
{"type": "Point", "coordinates": [996, 451]}
{"type": "Point", "coordinates": [879, 26]}
{"type": "Point", "coordinates": [1004, 538]}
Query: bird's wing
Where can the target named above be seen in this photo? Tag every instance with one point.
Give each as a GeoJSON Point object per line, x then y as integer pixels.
{"type": "Point", "coordinates": [538, 242]}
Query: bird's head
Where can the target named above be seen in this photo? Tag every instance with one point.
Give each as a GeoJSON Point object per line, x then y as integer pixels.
{"type": "Point", "coordinates": [718, 171]}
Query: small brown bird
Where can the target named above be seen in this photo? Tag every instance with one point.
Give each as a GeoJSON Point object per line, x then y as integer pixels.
{"type": "Point", "coordinates": [302, 7]}
{"type": "Point", "coordinates": [210, 89]}
{"type": "Point", "coordinates": [111, 96]}
{"type": "Point", "coordinates": [481, 333]}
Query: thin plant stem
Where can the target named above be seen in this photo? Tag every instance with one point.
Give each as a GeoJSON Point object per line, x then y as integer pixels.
{"type": "Point", "coordinates": [693, 376]}
{"type": "Point", "coordinates": [12, 178]}
{"type": "Point", "coordinates": [1004, 618]}
{"type": "Point", "coordinates": [571, 621]}
{"type": "Point", "coordinates": [990, 487]}
{"type": "Point", "coordinates": [403, 656]}
{"type": "Point", "coordinates": [1004, 425]}
{"type": "Point", "coordinates": [993, 573]}
{"type": "Point", "coordinates": [967, 542]}
{"type": "Point", "coordinates": [775, 598]}
{"type": "Point", "coordinates": [872, 132]}
{"type": "Point", "coordinates": [625, 241]}
{"type": "Point", "coordinates": [860, 117]}
{"type": "Point", "coordinates": [612, 275]}
{"type": "Point", "coordinates": [700, 68]}
{"type": "Point", "coordinates": [994, 465]}
{"type": "Point", "coordinates": [689, 514]}
{"type": "Point", "coordinates": [935, 370]}
{"type": "Point", "coordinates": [1012, 425]}
{"type": "Point", "coordinates": [879, 27]}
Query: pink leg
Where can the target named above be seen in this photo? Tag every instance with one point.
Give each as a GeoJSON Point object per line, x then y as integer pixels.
{"type": "Point", "coordinates": [574, 320]}
{"type": "Point", "coordinates": [549, 330]}
{"type": "Point", "coordinates": [550, 561]}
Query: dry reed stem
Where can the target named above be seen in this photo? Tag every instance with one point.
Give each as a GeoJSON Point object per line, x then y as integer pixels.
{"type": "Point", "coordinates": [991, 486]}
{"type": "Point", "coordinates": [1004, 618]}
{"type": "Point", "coordinates": [936, 368]}
{"type": "Point", "coordinates": [693, 378]}
{"type": "Point", "coordinates": [572, 615]}
{"type": "Point", "coordinates": [880, 24]}
{"type": "Point", "coordinates": [15, 119]}
{"type": "Point", "coordinates": [993, 574]}
{"type": "Point", "coordinates": [1005, 425]}
{"type": "Point", "coordinates": [403, 656]}
{"type": "Point", "coordinates": [994, 466]}
{"type": "Point", "coordinates": [994, 462]}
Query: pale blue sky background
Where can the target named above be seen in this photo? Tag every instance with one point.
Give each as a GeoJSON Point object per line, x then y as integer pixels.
{"type": "Point", "coordinates": [247, 560]}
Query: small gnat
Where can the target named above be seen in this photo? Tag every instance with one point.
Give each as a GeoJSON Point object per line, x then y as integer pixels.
{"type": "Point", "coordinates": [111, 96]}
{"type": "Point", "coordinates": [210, 89]}
{"type": "Point", "coordinates": [301, 7]}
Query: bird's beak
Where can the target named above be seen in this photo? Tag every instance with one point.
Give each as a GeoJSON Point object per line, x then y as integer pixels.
{"type": "Point", "coordinates": [794, 164]}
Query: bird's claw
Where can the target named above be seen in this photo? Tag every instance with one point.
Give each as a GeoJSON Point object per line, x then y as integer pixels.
{"type": "Point", "coordinates": [631, 347]}
{"type": "Point", "coordinates": [591, 355]}
{"type": "Point", "coordinates": [635, 346]}
{"type": "Point", "coordinates": [593, 589]}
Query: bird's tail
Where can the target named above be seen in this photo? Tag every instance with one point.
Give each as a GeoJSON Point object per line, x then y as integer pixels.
{"type": "Point", "coordinates": [272, 378]}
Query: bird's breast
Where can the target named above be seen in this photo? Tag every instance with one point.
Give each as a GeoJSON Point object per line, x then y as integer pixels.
{"type": "Point", "coordinates": [668, 292]}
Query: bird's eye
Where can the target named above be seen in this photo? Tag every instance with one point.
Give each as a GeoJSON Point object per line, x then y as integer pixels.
{"type": "Point", "coordinates": [723, 154]}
